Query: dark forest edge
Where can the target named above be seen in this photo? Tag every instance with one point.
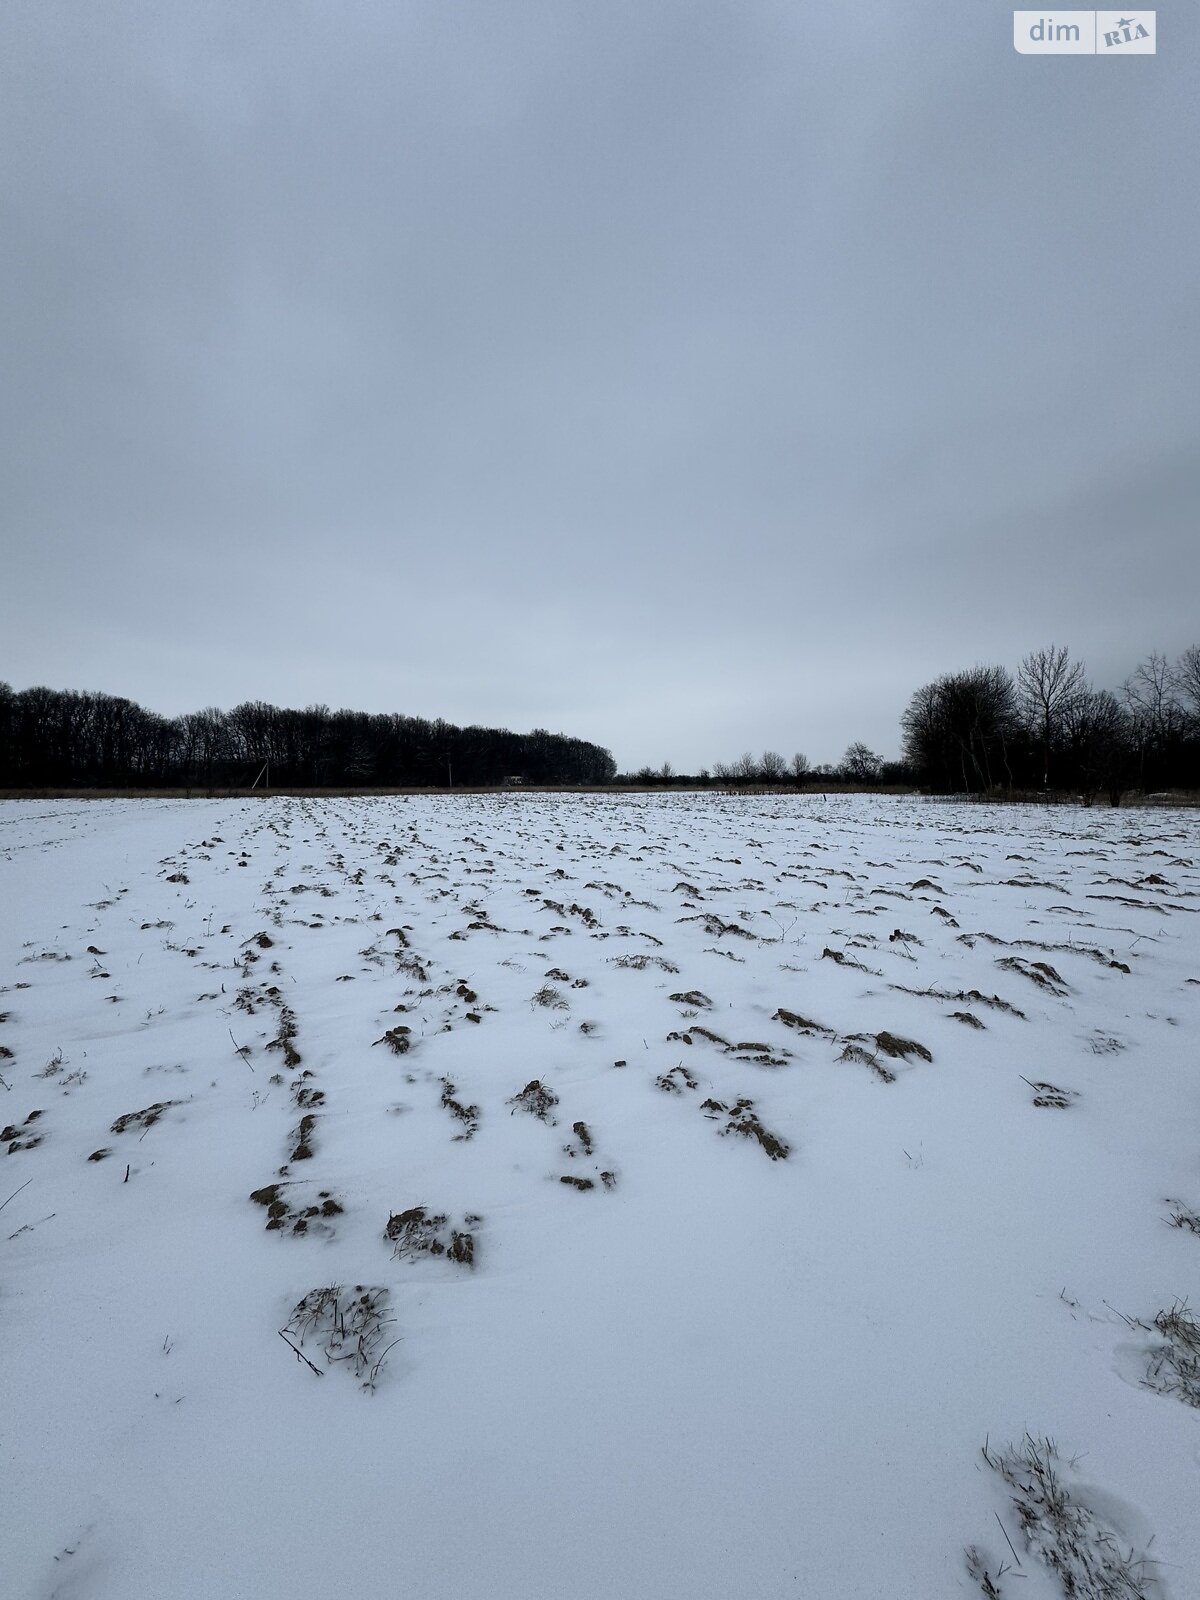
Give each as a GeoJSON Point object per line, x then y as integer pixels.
{"type": "Point", "coordinates": [73, 740]}
{"type": "Point", "coordinates": [1044, 732]}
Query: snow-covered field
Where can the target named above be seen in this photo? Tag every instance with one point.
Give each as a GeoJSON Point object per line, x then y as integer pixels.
{"type": "Point", "coordinates": [777, 1157]}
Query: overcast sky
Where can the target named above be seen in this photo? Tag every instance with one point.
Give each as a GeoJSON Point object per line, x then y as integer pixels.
{"type": "Point", "coordinates": [688, 377]}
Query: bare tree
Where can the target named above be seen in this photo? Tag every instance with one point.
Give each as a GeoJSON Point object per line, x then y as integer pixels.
{"type": "Point", "coordinates": [982, 718]}
{"type": "Point", "coordinates": [923, 732]}
{"type": "Point", "coordinates": [1099, 731]}
{"type": "Point", "coordinates": [1047, 683]}
{"type": "Point", "coordinates": [957, 729]}
{"type": "Point", "coordinates": [1150, 694]}
{"type": "Point", "coordinates": [801, 766]}
{"type": "Point", "coordinates": [860, 764]}
{"type": "Point", "coordinates": [772, 768]}
{"type": "Point", "coordinates": [1156, 714]}
{"type": "Point", "coordinates": [1187, 680]}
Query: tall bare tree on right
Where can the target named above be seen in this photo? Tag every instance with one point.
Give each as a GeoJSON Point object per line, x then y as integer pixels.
{"type": "Point", "coordinates": [1048, 684]}
{"type": "Point", "coordinates": [1158, 718]}
{"type": "Point", "coordinates": [1187, 683]}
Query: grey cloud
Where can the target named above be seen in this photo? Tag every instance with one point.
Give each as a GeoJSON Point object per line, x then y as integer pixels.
{"type": "Point", "coordinates": [693, 378]}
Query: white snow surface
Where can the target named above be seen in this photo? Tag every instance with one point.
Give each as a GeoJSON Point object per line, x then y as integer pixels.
{"type": "Point", "coordinates": [711, 1374]}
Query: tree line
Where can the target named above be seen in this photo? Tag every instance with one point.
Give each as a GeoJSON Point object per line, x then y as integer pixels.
{"type": "Point", "coordinates": [1051, 731]}
{"type": "Point", "coordinates": [984, 730]}
{"type": "Point", "coordinates": [1044, 730]}
{"type": "Point", "coordinates": [68, 739]}
{"type": "Point", "coordinates": [859, 768]}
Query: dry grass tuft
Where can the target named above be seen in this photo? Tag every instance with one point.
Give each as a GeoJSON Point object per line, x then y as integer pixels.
{"type": "Point", "coordinates": [867, 1058]}
{"type": "Point", "coordinates": [977, 1571]}
{"type": "Point", "coordinates": [536, 1099]}
{"type": "Point", "coordinates": [1068, 1537]}
{"type": "Point", "coordinates": [639, 963]}
{"type": "Point", "coordinates": [1175, 1363]}
{"type": "Point", "coordinates": [346, 1326]}
{"type": "Point", "coordinates": [1050, 1095]}
{"type": "Point", "coordinates": [550, 998]}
